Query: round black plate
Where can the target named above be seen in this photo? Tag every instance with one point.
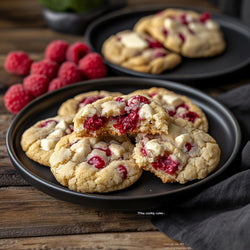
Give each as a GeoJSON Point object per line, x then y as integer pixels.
{"type": "Point", "coordinates": [149, 191]}
{"type": "Point", "coordinates": [236, 56]}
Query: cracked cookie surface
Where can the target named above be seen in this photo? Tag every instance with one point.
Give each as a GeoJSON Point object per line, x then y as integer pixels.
{"type": "Point", "coordinates": [72, 106]}
{"type": "Point", "coordinates": [39, 140]}
{"type": "Point", "coordinates": [182, 155]}
{"type": "Point", "coordinates": [94, 164]}
{"type": "Point", "coordinates": [120, 115]}
{"type": "Point", "coordinates": [139, 52]}
{"type": "Point", "coordinates": [177, 106]}
{"type": "Point", "coordinates": [189, 33]}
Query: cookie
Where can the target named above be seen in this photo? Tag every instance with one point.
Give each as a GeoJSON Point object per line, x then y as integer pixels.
{"type": "Point", "coordinates": [182, 155]}
{"type": "Point", "coordinates": [177, 106]}
{"type": "Point", "coordinates": [120, 115]}
{"type": "Point", "coordinates": [189, 33]}
{"type": "Point", "coordinates": [39, 141]}
{"type": "Point", "coordinates": [101, 164]}
{"type": "Point", "coordinates": [71, 106]}
{"type": "Point", "coordinates": [139, 52]}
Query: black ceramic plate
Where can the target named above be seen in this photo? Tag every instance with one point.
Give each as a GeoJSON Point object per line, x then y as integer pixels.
{"type": "Point", "coordinates": [236, 56]}
{"type": "Point", "coordinates": [149, 191]}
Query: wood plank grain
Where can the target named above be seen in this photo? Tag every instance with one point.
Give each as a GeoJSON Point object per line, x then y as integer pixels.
{"type": "Point", "coordinates": [107, 241]}
{"type": "Point", "coordinates": [25, 211]}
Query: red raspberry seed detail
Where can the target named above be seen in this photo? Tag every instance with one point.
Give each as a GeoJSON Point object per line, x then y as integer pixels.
{"type": "Point", "coordinates": [123, 170]}
{"type": "Point", "coordinates": [18, 62]}
{"type": "Point", "coordinates": [69, 73]}
{"type": "Point", "coordinates": [16, 98]}
{"type": "Point", "coordinates": [56, 51]}
{"type": "Point", "coordinates": [77, 51]}
{"type": "Point", "coordinates": [94, 122]}
{"type": "Point", "coordinates": [92, 66]}
{"type": "Point", "coordinates": [97, 161]}
{"type": "Point", "coordinates": [56, 83]}
{"type": "Point", "coordinates": [36, 84]}
{"type": "Point", "coordinates": [45, 67]}
{"type": "Point", "coordinates": [190, 116]}
{"type": "Point", "coordinates": [166, 164]}
{"type": "Point", "coordinates": [127, 123]}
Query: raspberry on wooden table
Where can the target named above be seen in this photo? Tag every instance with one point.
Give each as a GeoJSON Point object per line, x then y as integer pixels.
{"type": "Point", "coordinates": [56, 84]}
{"type": "Point", "coordinates": [70, 73]}
{"type": "Point", "coordinates": [56, 51]}
{"type": "Point", "coordinates": [18, 62]}
{"type": "Point", "coordinates": [77, 51]}
{"type": "Point", "coordinates": [16, 98]}
{"type": "Point", "coordinates": [36, 84]}
{"type": "Point", "coordinates": [92, 66]}
{"type": "Point", "coordinates": [45, 67]}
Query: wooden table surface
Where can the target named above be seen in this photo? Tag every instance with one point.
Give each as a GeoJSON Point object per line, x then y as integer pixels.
{"type": "Point", "coordinates": [30, 219]}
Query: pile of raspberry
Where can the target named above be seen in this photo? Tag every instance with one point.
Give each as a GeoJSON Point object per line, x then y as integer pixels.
{"type": "Point", "coordinates": [63, 64]}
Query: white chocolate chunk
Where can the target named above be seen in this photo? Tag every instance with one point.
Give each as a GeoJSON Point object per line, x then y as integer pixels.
{"type": "Point", "coordinates": [117, 150]}
{"type": "Point", "coordinates": [62, 125]}
{"type": "Point", "coordinates": [146, 112]}
{"type": "Point", "coordinates": [58, 133]}
{"type": "Point", "coordinates": [132, 40]}
{"type": "Point", "coordinates": [171, 24]}
{"type": "Point", "coordinates": [172, 100]}
{"type": "Point", "coordinates": [211, 25]}
{"type": "Point", "coordinates": [154, 147]}
{"type": "Point", "coordinates": [48, 144]}
{"type": "Point", "coordinates": [112, 108]}
{"type": "Point", "coordinates": [182, 139]}
{"type": "Point", "coordinates": [89, 111]}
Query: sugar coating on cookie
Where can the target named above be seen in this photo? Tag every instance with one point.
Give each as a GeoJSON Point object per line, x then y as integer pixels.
{"type": "Point", "coordinates": [177, 106]}
{"type": "Point", "coordinates": [39, 140]}
{"type": "Point", "coordinates": [189, 33]}
{"type": "Point", "coordinates": [139, 52]}
{"type": "Point", "coordinates": [94, 164]}
{"type": "Point", "coordinates": [72, 106]}
{"type": "Point", "coordinates": [182, 155]}
{"type": "Point", "coordinates": [120, 115]}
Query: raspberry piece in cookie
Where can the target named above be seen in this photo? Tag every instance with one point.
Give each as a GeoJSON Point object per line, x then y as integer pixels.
{"type": "Point", "coordinates": [177, 106]}
{"type": "Point", "coordinates": [101, 164]}
{"type": "Point", "coordinates": [120, 115]}
{"type": "Point", "coordinates": [39, 141]}
{"type": "Point", "coordinates": [139, 52]}
{"type": "Point", "coordinates": [182, 155]}
{"type": "Point", "coordinates": [186, 32]}
{"type": "Point", "coordinates": [72, 106]}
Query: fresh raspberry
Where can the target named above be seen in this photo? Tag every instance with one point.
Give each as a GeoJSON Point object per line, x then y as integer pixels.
{"type": "Point", "coordinates": [56, 83]}
{"type": "Point", "coordinates": [45, 67]}
{"type": "Point", "coordinates": [76, 51]}
{"type": "Point", "coordinates": [92, 66]}
{"type": "Point", "coordinates": [18, 62]}
{"type": "Point", "coordinates": [56, 51]}
{"type": "Point", "coordinates": [16, 98]}
{"type": "Point", "coordinates": [36, 84]}
{"type": "Point", "coordinates": [70, 73]}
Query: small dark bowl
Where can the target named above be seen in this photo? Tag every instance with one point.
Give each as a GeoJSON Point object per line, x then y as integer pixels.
{"type": "Point", "coordinates": [71, 23]}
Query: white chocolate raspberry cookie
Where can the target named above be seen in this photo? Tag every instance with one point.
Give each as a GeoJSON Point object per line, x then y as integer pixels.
{"type": "Point", "coordinates": [189, 33]}
{"type": "Point", "coordinates": [120, 115]}
{"type": "Point", "coordinates": [72, 106]}
{"type": "Point", "coordinates": [100, 164]}
{"type": "Point", "coordinates": [39, 141]}
{"type": "Point", "coordinates": [177, 106]}
{"type": "Point", "coordinates": [182, 155]}
{"type": "Point", "coordinates": [139, 52]}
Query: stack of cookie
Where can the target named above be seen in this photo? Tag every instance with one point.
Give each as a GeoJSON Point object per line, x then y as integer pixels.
{"type": "Point", "coordinates": [158, 42]}
{"type": "Point", "coordinates": [102, 141]}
